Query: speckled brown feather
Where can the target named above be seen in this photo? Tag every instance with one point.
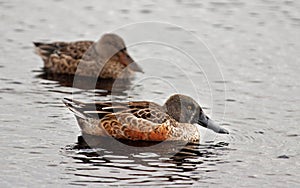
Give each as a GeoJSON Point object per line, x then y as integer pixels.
{"type": "Point", "coordinates": [62, 57]}
{"type": "Point", "coordinates": [140, 120]}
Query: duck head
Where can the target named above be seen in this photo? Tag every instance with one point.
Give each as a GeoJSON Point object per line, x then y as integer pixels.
{"type": "Point", "coordinates": [112, 46]}
{"type": "Point", "coordinates": [184, 109]}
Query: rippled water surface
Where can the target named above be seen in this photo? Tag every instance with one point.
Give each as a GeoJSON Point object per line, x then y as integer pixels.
{"type": "Point", "coordinates": [243, 68]}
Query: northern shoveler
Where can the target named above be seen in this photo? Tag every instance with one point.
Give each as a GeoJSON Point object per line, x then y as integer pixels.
{"type": "Point", "coordinates": [106, 58]}
{"type": "Point", "coordinates": [143, 120]}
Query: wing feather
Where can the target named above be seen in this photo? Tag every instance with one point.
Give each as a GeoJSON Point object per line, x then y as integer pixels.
{"type": "Point", "coordinates": [75, 50]}
{"type": "Point", "coordinates": [131, 120]}
{"type": "Point", "coordinates": [128, 126]}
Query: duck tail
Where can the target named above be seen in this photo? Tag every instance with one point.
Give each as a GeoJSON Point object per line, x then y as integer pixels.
{"type": "Point", "coordinates": [75, 107]}
{"type": "Point", "coordinates": [44, 49]}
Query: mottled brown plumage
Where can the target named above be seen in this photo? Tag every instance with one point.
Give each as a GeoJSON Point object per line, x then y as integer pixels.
{"type": "Point", "coordinates": [106, 58]}
{"type": "Point", "coordinates": [141, 120]}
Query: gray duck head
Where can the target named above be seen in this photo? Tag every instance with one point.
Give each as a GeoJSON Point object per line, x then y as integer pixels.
{"type": "Point", "coordinates": [111, 45]}
{"type": "Point", "coordinates": [184, 109]}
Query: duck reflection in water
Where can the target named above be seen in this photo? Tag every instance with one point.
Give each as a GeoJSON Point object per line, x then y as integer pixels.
{"type": "Point", "coordinates": [187, 162]}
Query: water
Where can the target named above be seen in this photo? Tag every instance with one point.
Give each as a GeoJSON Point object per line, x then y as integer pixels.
{"type": "Point", "coordinates": [252, 90]}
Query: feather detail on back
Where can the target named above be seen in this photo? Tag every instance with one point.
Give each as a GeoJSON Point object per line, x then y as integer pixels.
{"type": "Point", "coordinates": [74, 50]}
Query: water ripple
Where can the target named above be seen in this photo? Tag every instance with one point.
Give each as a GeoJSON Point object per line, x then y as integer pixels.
{"type": "Point", "coordinates": [142, 168]}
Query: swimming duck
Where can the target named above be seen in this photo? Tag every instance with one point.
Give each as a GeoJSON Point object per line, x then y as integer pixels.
{"type": "Point", "coordinates": [106, 58]}
{"type": "Point", "coordinates": [143, 120]}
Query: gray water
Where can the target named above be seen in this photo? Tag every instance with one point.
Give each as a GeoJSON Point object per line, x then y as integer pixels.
{"type": "Point", "coordinates": [247, 81]}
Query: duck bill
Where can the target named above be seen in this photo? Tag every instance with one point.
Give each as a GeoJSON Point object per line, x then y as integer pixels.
{"type": "Point", "coordinates": [126, 60]}
{"type": "Point", "coordinates": [210, 124]}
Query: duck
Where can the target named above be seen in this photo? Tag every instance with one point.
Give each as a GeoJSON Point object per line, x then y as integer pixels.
{"type": "Point", "coordinates": [107, 58]}
{"type": "Point", "coordinates": [177, 120]}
